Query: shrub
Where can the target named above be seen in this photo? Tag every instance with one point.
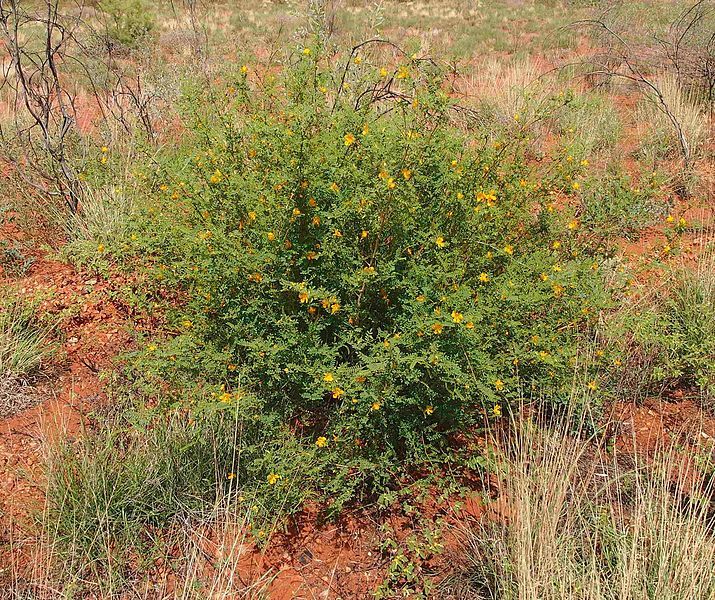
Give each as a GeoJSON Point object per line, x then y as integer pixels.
{"type": "Point", "coordinates": [129, 21]}
{"type": "Point", "coordinates": [370, 278]}
{"type": "Point", "coordinates": [669, 342]}
{"type": "Point", "coordinates": [616, 205]}
{"type": "Point", "coordinates": [590, 124]}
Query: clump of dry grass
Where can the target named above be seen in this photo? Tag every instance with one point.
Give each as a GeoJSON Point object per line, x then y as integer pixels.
{"type": "Point", "coordinates": [582, 525]}
{"type": "Point", "coordinates": [511, 89]}
{"type": "Point", "coordinates": [23, 350]}
{"type": "Point", "coordinates": [660, 138]}
{"type": "Point", "coordinates": [15, 396]}
{"type": "Point", "coordinates": [103, 216]}
{"type": "Point", "coordinates": [191, 562]}
{"type": "Point", "coordinates": [22, 340]}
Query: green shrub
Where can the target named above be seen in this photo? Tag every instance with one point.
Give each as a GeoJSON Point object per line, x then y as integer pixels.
{"type": "Point", "coordinates": [370, 279]}
{"type": "Point", "coordinates": [670, 342]}
{"type": "Point", "coordinates": [591, 124]}
{"type": "Point", "coordinates": [129, 22]}
{"type": "Point", "coordinates": [615, 204]}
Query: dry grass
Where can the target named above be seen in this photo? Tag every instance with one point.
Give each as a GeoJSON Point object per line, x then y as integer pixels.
{"type": "Point", "coordinates": [582, 525]}
{"type": "Point", "coordinates": [103, 216]}
{"type": "Point", "coordinates": [192, 562]}
{"type": "Point", "coordinates": [512, 89]}
{"type": "Point", "coordinates": [23, 345]}
{"type": "Point", "coordinates": [660, 137]}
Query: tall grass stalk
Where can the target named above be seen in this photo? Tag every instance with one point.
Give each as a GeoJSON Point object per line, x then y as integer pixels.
{"type": "Point", "coordinates": [580, 523]}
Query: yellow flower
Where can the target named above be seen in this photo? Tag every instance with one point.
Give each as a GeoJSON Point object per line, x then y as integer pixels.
{"type": "Point", "coordinates": [251, 215]}
{"type": "Point", "coordinates": [316, 220]}
{"type": "Point", "coordinates": [303, 297]}
{"type": "Point", "coordinates": [231, 367]}
{"type": "Point", "coordinates": [406, 174]}
{"type": "Point", "coordinates": [383, 72]}
{"type": "Point", "coordinates": [311, 255]}
{"type": "Point", "coordinates": [257, 277]}
{"type": "Point", "coordinates": [105, 149]}
{"type": "Point", "coordinates": [306, 51]}
{"type": "Point", "coordinates": [429, 409]}
{"type": "Point", "coordinates": [337, 392]}
{"type": "Point", "coordinates": [584, 163]}
{"type": "Point", "coordinates": [186, 324]}
{"type": "Point", "coordinates": [457, 317]}
{"type": "Point", "coordinates": [334, 187]}
{"type": "Point", "coordinates": [437, 328]}
{"type": "Point", "coordinates": [556, 245]}
{"type": "Point", "coordinates": [296, 212]}
{"type": "Point", "coordinates": [440, 242]}
{"type": "Point", "coordinates": [544, 277]}
{"type": "Point", "coordinates": [312, 203]}
{"type": "Point", "coordinates": [321, 442]}
{"type": "Point", "coordinates": [558, 290]}
{"type": "Point", "coordinates": [509, 249]}
{"type": "Point", "coordinates": [357, 60]}
{"type": "Point", "coordinates": [328, 377]}
{"type": "Point", "coordinates": [592, 385]}
{"type": "Point", "coordinates": [335, 307]}
{"type": "Point", "coordinates": [337, 233]}
{"type": "Point", "coordinates": [152, 347]}
{"type": "Point", "coordinates": [469, 325]}
{"type": "Point", "coordinates": [391, 183]}
{"type": "Point", "coordinates": [216, 177]}
{"type": "Point", "coordinates": [349, 139]}
{"type": "Point", "coordinates": [244, 69]}
{"type": "Point", "coordinates": [364, 233]}
{"type": "Point", "coordinates": [496, 411]}
{"type": "Point", "coordinates": [682, 222]}
{"type": "Point", "coordinates": [375, 406]}
{"type": "Point", "coordinates": [499, 385]}
{"type": "Point", "coordinates": [273, 478]}
{"type": "Point", "coordinates": [483, 277]}
{"type": "Point", "coordinates": [403, 72]}
{"type": "Point", "coordinates": [670, 219]}
{"type": "Point", "coordinates": [576, 185]}
{"type": "Point", "coordinates": [100, 248]}
{"type": "Point", "coordinates": [271, 236]}
{"type": "Point", "coordinates": [225, 398]}
{"type": "Point", "coordinates": [421, 298]}
{"type": "Point", "coordinates": [573, 225]}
